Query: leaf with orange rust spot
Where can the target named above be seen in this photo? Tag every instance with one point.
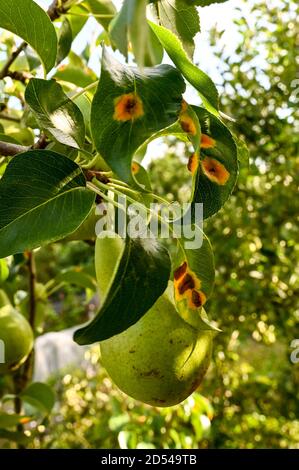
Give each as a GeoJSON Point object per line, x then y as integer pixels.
{"type": "Point", "coordinates": [129, 107]}
{"type": "Point", "coordinates": [190, 125]}
{"type": "Point", "coordinates": [193, 277]}
{"type": "Point", "coordinates": [216, 174]}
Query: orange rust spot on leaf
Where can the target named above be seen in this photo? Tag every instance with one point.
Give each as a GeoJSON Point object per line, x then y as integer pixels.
{"type": "Point", "coordinates": [135, 168]}
{"type": "Point", "coordinates": [187, 124]}
{"type": "Point", "coordinates": [128, 107]}
{"type": "Point", "coordinates": [25, 420]}
{"type": "Point", "coordinates": [180, 271]}
{"type": "Point", "coordinates": [207, 142]}
{"type": "Point", "coordinates": [193, 163]}
{"type": "Point", "coordinates": [184, 106]}
{"type": "Point", "coordinates": [215, 171]}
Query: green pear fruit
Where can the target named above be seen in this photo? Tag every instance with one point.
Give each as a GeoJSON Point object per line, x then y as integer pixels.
{"type": "Point", "coordinates": [4, 300]}
{"type": "Point", "coordinates": [161, 359]}
{"type": "Point", "coordinates": [108, 251]}
{"type": "Point", "coordinates": [16, 339]}
{"type": "Point", "coordinates": [86, 231]}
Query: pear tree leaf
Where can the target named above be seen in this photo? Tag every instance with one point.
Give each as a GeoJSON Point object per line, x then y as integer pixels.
{"type": "Point", "coordinates": [130, 26]}
{"type": "Point", "coordinates": [40, 396]}
{"type": "Point", "coordinates": [140, 279]}
{"type": "Point", "coordinates": [77, 277]}
{"type": "Point", "coordinates": [243, 151]}
{"type": "Point", "coordinates": [55, 112]}
{"type": "Point", "coordinates": [79, 76]}
{"type": "Point", "coordinates": [200, 80]}
{"type": "Point", "coordinates": [194, 275]}
{"type": "Point", "coordinates": [129, 107]}
{"type": "Point", "coordinates": [215, 171]}
{"type": "Point", "coordinates": [203, 3]}
{"type": "Point", "coordinates": [77, 16]}
{"type": "Point", "coordinates": [15, 436]}
{"type": "Point", "coordinates": [29, 21]}
{"type": "Point", "coordinates": [180, 18]}
{"type": "Point", "coordinates": [102, 7]}
{"type": "Point", "coordinates": [65, 40]}
{"type": "Point", "coordinates": [4, 270]}
{"type": "Point", "coordinates": [43, 198]}
{"type": "Point", "coordinates": [9, 420]}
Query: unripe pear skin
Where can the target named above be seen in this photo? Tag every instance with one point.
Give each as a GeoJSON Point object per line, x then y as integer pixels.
{"type": "Point", "coordinates": [160, 360]}
{"type": "Point", "coordinates": [16, 338]}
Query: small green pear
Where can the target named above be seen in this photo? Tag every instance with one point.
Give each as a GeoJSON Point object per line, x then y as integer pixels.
{"type": "Point", "coordinates": [87, 230]}
{"type": "Point", "coordinates": [161, 359]}
{"type": "Point", "coordinates": [16, 339]}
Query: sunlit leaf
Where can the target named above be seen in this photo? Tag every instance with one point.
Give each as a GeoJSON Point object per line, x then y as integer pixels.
{"type": "Point", "coordinates": [215, 171]}
{"type": "Point", "coordinates": [29, 21]}
{"type": "Point", "coordinates": [181, 19]}
{"type": "Point", "coordinates": [55, 112]}
{"type": "Point", "coordinates": [129, 107]}
{"type": "Point", "coordinates": [102, 7]}
{"type": "Point", "coordinates": [193, 74]}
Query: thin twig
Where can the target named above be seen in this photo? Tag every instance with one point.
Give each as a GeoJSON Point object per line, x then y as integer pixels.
{"type": "Point", "coordinates": [6, 117]}
{"type": "Point", "coordinates": [24, 375]}
{"type": "Point", "coordinates": [20, 76]}
{"type": "Point", "coordinates": [32, 281]}
{"type": "Point", "coordinates": [9, 150]}
{"type": "Point", "coordinates": [41, 143]}
{"type": "Point", "coordinates": [11, 59]}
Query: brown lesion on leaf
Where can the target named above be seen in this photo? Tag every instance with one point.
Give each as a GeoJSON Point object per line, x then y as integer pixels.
{"type": "Point", "coordinates": [187, 287]}
{"type": "Point", "coordinates": [128, 107]}
{"type": "Point", "coordinates": [207, 142]}
{"type": "Point", "coordinates": [180, 271]}
{"type": "Point", "coordinates": [185, 284]}
{"type": "Point", "coordinates": [215, 171]}
{"type": "Point", "coordinates": [184, 106]}
{"type": "Point", "coordinates": [193, 163]}
{"type": "Point", "coordinates": [198, 299]}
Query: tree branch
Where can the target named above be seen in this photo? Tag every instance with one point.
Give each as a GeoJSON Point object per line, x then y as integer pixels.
{"type": "Point", "coordinates": [32, 281]}
{"type": "Point", "coordinates": [6, 117]}
{"type": "Point", "coordinates": [24, 375]}
{"type": "Point", "coordinates": [9, 150]}
{"type": "Point", "coordinates": [11, 59]}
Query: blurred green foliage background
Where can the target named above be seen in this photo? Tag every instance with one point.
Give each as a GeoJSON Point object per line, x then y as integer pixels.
{"type": "Point", "coordinates": [250, 397]}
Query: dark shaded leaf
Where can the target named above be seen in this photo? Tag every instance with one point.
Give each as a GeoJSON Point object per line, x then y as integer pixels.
{"type": "Point", "coordinates": [141, 277]}
{"type": "Point", "coordinates": [43, 198]}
